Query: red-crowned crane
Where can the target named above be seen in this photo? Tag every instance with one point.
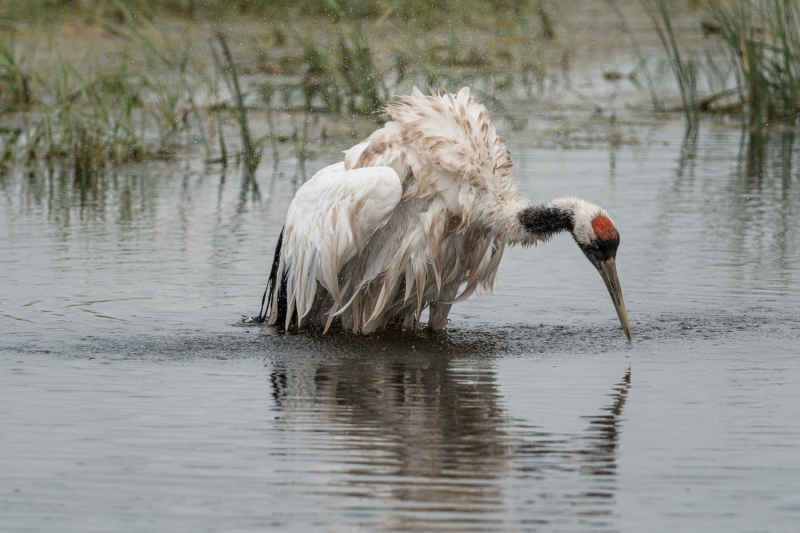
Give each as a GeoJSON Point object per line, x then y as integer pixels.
{"type": "Point", "coordinates": [417, 216]}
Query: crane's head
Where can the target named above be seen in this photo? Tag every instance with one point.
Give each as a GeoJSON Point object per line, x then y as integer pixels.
{"type": "Point", "coordinates": [598, 238]}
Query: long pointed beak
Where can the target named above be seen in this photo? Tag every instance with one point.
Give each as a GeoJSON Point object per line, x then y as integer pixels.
{"type": "Point", "coordinates": [608, 271]}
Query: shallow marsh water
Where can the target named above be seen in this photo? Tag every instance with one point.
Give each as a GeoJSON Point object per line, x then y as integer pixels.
{"type": "Point", "coordinates": [134, 400]}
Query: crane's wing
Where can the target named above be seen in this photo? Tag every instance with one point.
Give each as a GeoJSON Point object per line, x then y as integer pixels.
{"type": "Point", "coordinates": [450, 159]}
{"type": "Point", "coordinates": [443, 145]}
{"type": "Point", "coordinates": [330, 220]}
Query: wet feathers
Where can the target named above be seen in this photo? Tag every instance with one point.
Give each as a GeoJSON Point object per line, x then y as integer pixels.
{"type": "Point", "coordinates": [416, 216]}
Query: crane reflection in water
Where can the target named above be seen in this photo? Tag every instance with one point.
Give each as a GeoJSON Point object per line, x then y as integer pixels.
{"type": "Point", "coordinates": [422, 440]}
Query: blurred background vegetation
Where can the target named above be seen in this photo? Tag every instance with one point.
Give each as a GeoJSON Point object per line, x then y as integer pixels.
{"type": "Point", "coordinates": [90, 84]}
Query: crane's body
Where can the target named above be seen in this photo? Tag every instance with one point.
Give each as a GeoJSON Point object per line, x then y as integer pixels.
{"type": "Point", "coordinates": [417, 216]}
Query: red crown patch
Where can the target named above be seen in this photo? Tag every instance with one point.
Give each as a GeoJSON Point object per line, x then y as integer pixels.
{"type": "Point", "coordinates": [604, 228]}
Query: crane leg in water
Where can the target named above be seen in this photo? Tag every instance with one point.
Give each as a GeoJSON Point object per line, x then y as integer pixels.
{"type": "Point", "coordinates": [441, 308]}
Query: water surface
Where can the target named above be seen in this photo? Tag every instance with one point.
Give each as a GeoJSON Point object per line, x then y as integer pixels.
{"type": "Point", "coordinates": [135, 400]}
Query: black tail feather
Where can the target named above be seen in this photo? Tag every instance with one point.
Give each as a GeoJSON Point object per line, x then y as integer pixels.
{"type": "Point", "coordinates": [267, 299]}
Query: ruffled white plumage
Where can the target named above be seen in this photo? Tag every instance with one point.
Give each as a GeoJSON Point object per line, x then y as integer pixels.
{"type": "Point", "coordinates": [330, 220]}
{"type": "Point", "coordinates": [417, 215]}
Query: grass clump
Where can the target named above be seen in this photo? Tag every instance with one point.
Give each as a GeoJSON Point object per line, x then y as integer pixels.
{"type": "Point", "coordinates": [762, 38]}
{"type": "Point", "coordinates": [428, 13]}
{"type": "Point", "coordinates": [761, 45]}
{"type": "Point", "coordinates": [136, 104]}
{"type": "Point", "coordinates": [344, 78]}
{"type": "Point", "coordinates": [684, 70]}
{"type": "Point", "coordinates": [97, 118]}
{"type": "Point", "coordinates": [252, 152]}
{"type": "Point", "coordinates": [138, 79]}
{"type": "Point", "coordinates": [15, 82]}
{"type": "Point", "coordinates": [94, 121]}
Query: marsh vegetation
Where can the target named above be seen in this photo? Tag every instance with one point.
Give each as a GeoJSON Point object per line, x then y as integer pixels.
{"type": "Point", "coordinates": [756, 42]}
{"type": "Point", "coordinates": [100, 83]}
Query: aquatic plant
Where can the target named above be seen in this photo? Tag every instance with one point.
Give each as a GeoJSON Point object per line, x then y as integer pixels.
{"type": "Point", "coordinates": [428, 11]}
{"type": "Point", "coordinates": [93, 121]}
{"type": "Point", "coordinates": [761, 42]}
{"type": "Point", "coordinates": [250, 150]}
{"type": "Point", "coordinates": [364, 83]}
{"type": "Point", "coordinates": [762, 38]}
{"type": "Point", "coordinates": [346, 76]}
{"type": "Point", "coordinates": [152, 93]}
{"type": "Point", "coordinates": [684, 70]}
{"type": "Point", "coordinates": [15, 81]}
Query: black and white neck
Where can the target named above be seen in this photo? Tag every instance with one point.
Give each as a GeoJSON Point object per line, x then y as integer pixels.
{"type": "Point", "coordinates": [537, 223]}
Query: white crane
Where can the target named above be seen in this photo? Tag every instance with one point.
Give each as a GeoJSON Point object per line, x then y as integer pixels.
{"type": "Point", "coordinates": [417, 216]}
